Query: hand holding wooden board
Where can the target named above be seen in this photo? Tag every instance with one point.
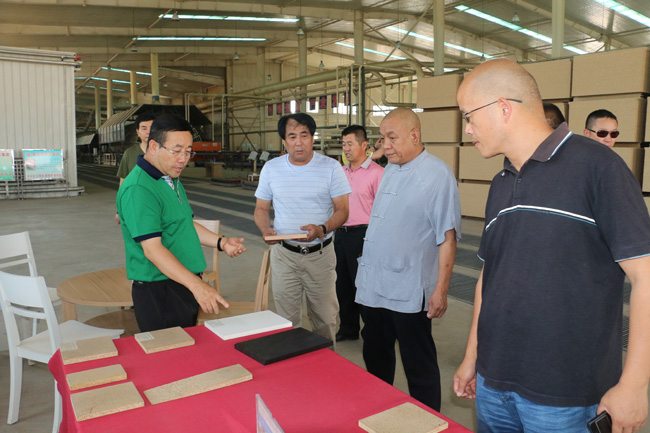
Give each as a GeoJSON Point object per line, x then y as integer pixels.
{"type": "Point", "coordinates": [295, 236]}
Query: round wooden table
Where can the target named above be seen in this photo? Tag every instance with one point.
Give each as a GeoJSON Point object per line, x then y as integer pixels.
{"type": "Point", "coordinates": [107, 288]}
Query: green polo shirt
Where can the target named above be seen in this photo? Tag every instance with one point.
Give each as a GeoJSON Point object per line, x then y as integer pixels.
{"type": "Point", "coordinates": [148, 208]}
{"type": "Point", "coordinates": [129, 160]}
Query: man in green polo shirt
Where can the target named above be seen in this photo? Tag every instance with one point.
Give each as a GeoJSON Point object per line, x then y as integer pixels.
{"type": "Point", "coordinates": [164, 257]}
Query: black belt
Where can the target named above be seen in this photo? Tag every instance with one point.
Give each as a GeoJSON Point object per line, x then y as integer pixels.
{"type": "Point", "coordinates": [351, 228]}
{"type": "Point", "coordinates": [304, 249]}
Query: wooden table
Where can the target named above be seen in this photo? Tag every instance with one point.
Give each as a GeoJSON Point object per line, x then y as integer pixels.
{"type": "Point", "coordinates": [107, 288]}
{"type": "Point", "coordinates": [319, 392]}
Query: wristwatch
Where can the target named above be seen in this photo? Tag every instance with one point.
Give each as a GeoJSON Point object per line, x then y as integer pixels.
{"type": "Point", "coordinates": [324, 231]}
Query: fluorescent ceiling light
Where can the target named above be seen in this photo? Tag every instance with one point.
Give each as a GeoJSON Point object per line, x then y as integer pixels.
{"type": "Point", "coordinates": [515, 27]}
{"type": "Point", "coordinates": [624, 10]}
{"type": "Point", "coordinates": [104, 88]}
{"type": "Point", "coordinates": [447, 44]}
{"type": "Point", "coordinates": [196, 38]}
{"type": "Point", "coordinates": [383, 54]}
{"type": "Point", "coordinates": [126, 70]}
{"type": "Point", "coordinates": [229, 18]}
{"type": "Point", "coordinates": [104, 79]}
{"type": "Point", "coordinates": [392, 56]}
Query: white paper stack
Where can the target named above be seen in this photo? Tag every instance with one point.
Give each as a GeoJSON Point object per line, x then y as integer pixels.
{"type": "Point", "coordinates": [247, 324]}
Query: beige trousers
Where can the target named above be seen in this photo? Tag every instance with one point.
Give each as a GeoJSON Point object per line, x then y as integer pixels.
{"type": "Point", "coordinates": [312, 274]}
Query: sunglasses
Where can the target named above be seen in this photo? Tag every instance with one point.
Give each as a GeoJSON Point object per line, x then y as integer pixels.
{"type": "Point", "coordinates": [602, 133]}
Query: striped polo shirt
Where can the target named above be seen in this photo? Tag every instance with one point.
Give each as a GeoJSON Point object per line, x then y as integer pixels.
{"type": "Point", "coordinates": [301, 194]}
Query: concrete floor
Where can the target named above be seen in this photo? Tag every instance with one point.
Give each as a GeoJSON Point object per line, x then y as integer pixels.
{"type": "Point", "coordinates": [77, 235]}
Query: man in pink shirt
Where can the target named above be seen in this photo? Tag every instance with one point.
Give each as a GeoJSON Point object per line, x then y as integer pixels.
{"type": "Point", "coordinates": [364, 176]}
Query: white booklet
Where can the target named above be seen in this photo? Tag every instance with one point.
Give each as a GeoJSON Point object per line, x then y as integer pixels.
{"type": "Point", "coordinates": [247, 324]}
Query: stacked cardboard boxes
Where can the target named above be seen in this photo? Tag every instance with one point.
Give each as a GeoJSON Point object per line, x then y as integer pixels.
{"type": "Point", "coordinates": [620, 86]}
{"type": "Point", "coordinates": [440, 120]}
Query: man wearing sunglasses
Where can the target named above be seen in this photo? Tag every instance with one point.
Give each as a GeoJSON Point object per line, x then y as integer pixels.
{"type": "Point", "coordinates": [602, 126]}
{"type": "Point", "coordinates": [565, 223]}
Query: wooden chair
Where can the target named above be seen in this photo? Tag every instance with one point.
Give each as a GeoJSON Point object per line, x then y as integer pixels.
{"type": "Point", "coordinates": [27, 296]}
{"type": "Point", "coordinates": [212, 276]}
{"type": "Point", "coordinates": [125, 319]}
{"type": "Point", "coordinates": [239, 307]}
{"type": "Point", "coordinates": [16, 249]}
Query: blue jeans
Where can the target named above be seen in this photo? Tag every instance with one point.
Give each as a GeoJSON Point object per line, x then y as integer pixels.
{"type": "Point", "coordinates": [508, 412]}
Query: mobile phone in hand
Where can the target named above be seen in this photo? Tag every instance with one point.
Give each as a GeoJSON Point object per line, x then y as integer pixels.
{"type": "Point", "coordinates": [601, 423]}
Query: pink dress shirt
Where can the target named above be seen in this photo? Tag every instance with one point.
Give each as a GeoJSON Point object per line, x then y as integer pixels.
{"type": "Point", "coordinates": [364, 182]}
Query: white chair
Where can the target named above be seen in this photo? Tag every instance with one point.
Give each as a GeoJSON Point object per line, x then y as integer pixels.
{"type": "Point", "coordinates": [28, 297]}
{"type": "Point", "coordinates": [16, 249]}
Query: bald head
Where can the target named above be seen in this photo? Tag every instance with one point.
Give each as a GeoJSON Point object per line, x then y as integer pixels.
{"type": "Point", "coordinates": [503, 110]}
{"type": "Point", "coordinates": [503, 79]}
{"type": "Point", "coordinates": [400, 133]}
{"type": "Point", "coordinates": [405, 115]}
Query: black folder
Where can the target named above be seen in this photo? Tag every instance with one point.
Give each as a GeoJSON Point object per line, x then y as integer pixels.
{"type": "Point", "coordinates": [283, 345]}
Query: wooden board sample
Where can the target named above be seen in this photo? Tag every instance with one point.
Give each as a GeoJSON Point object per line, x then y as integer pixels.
{"type": "Point", "coordinates": [87, 350]}
{"type": "Point", "coordinates": [105, 401]}
{"type": "Point", "coordinates": [96, 376]}
{"type": "Point", "coordinates": [247, 324]}
{"type": "Point", "coordinates": [164, 339]}
{"type": "Point", "coordinates": [198, 384]}
{"type": "Point", "coordinates": [406, 417]}
{"type": "Point", "coordinates": [296, 236]}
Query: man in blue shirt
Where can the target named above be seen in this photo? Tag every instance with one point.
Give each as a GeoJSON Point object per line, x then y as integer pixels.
{"type": "Point", "coordinates": [408, 256]}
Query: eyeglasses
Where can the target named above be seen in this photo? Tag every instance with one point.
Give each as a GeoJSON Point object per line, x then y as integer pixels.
{"type": "Point", "coordinates": [602, 133]}
{"type": "Point", "coordinates": [178, 152]}
{"type": "Point", "coordinates": [466, 115]}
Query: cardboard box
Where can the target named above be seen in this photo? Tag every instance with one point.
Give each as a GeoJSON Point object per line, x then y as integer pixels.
{"type": "Point", "coordinates": [646, 171]}
{"type": "Point", "coordinates": [612, 72]}
{"type": "Point", "coordinates": [633, 157]}
{"type": "Point", "coordinates": [553, 78]}
{"type": "Point", "coordinates": [440, 126]}
{"type": "Point", "coordinates": [647, 203]}
{"type": "Point", "coordinates": [473, 197]}
{"type": "Point", "coordinates": [448, 153]}
{"type": "Point", "coordinates": [438, 92]}
{"type": "Point", "coordinates": [630, 110]}
{"type": "Point", "coordinates": [472, 166]}
{"type": "Point", "coordinates": [647, 127]}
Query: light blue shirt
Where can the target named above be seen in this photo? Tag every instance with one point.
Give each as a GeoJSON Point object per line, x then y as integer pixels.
{"type": "Point", "coordinates": [415, 205]}
{"type": "Point", "coordinates": [302, 194]}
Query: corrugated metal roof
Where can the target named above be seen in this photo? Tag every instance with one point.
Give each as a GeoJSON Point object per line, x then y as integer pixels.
{"type": "Point", "coordinates": [85, 139]}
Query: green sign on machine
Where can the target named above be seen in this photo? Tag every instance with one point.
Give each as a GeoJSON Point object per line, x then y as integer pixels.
{"type": "Point", "coordinates": [7, 164]}
{"type": "Point", "coordinates": [43, 164]}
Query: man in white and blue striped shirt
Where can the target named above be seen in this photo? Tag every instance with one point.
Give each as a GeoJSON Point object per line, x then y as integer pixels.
{"type": "Point", "coordinates": [309, 192]}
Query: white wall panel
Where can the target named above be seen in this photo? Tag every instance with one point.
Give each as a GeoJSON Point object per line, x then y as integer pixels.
{"type": "Point", "coordinates": [37, 104]}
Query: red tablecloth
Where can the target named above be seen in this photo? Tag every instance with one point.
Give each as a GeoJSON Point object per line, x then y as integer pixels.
{"type": "Point", "coordinates": [317, 392]}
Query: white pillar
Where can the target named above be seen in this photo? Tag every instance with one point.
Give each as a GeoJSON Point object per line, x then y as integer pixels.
{"type": "Point", "coordinates": [358, 37]}
{"type": "Point", "coordinates": [109, 98]}
{"type": "Point", "coordinates": [98, 107]}
{"type": "Point", "coordinates": [155, 85]}
{"type": "Point", "coordinates": [438, 37]}
{"type": "Point", "coordinates": [557, 28]}
{"type": "Point", "coordinates": [134, 89]}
